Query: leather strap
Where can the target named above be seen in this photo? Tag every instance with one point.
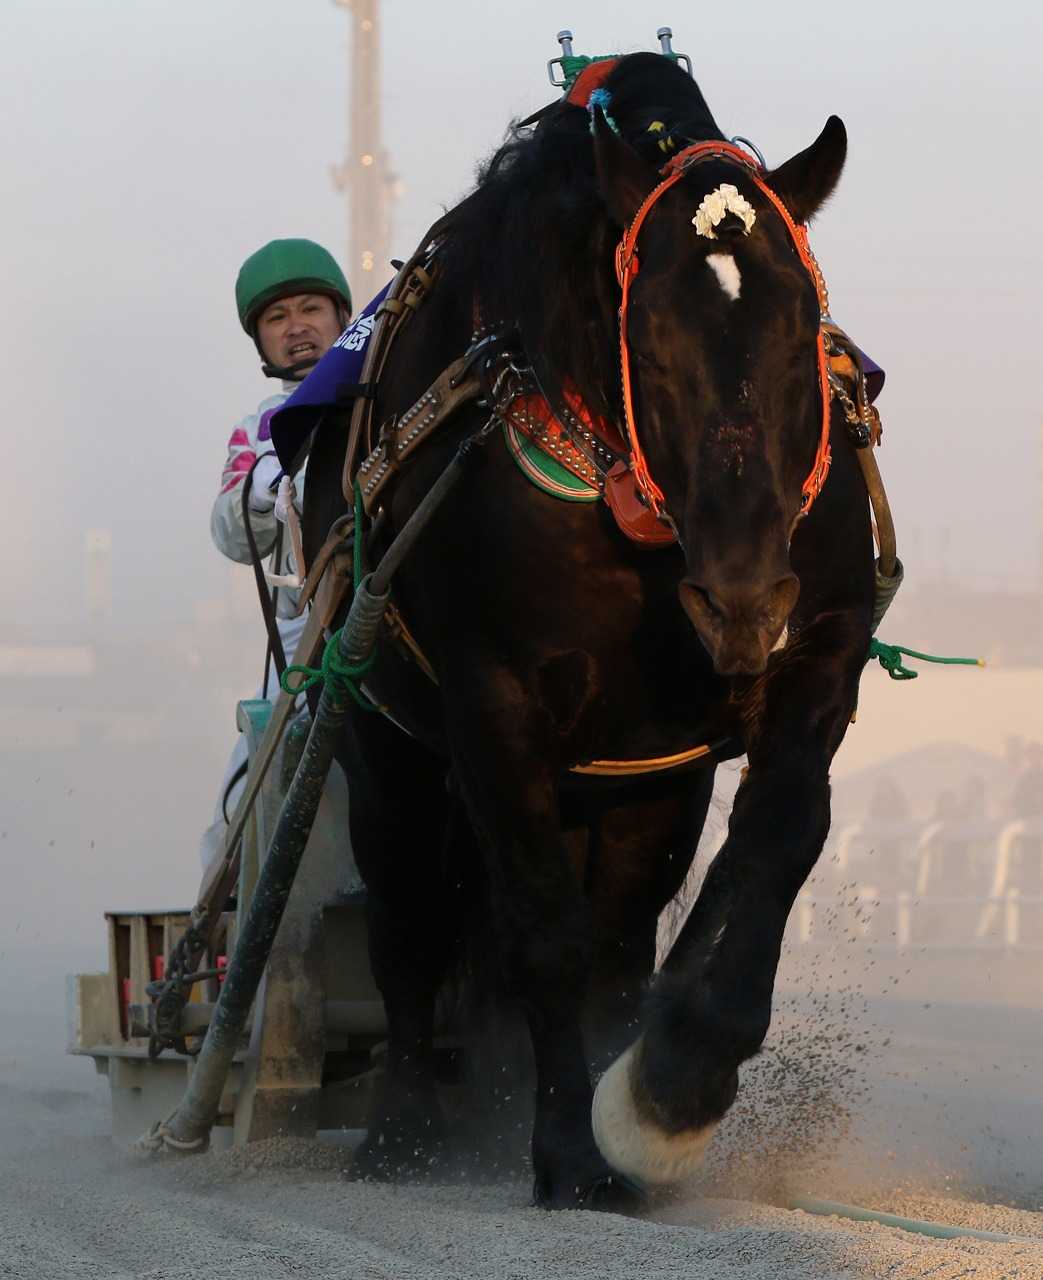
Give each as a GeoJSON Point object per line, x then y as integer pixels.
{"type": "Point", "coordinates": [362, 410]}
{"type": "Point", "coordinates": [339, 531]}
{"type": "Point", "coordinates": [264, 596]}
{"type": "Point", "coordinates": [402, 436]}
{"type": "Point", "coordinates": [407, 292]}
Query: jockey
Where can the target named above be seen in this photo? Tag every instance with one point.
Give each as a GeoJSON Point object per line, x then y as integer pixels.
{"type": "Point", "coordinates": [293, 302]}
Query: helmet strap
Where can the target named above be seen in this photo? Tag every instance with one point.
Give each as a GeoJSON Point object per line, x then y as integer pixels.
{"type": "Point", "coordinates": [290, 372]}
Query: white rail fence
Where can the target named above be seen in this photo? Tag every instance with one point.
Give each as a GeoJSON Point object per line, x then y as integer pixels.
{"type": "Point", "coordinates": [944, 884]}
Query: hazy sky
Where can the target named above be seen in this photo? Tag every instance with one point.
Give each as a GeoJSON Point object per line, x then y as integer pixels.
{"type": "Point", "coordinates": [146, 147]}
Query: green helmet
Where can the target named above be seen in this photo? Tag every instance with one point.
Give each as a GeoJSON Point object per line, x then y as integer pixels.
{"type": "Point", "coordinates": [283, 267]}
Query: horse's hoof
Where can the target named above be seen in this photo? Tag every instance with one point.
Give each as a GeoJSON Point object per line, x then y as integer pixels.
{"type": "Point", "coordinates": [605, 1192]}
{"type": "Point", "coordinates": [615, 1193]}
{"type": "Point", "coordinates": [634, 1146]}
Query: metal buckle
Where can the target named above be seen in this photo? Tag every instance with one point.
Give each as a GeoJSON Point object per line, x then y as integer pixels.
{"type": "Point", "coordinates": [665, 36]}
{"type": "Point", "coordinates": [739, 140]}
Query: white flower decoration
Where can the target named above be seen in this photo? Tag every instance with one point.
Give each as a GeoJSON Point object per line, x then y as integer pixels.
{"type": "Point", "coordinates": [725, 199]}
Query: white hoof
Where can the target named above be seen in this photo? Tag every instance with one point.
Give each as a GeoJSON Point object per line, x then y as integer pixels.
{"type": "Point", "coordinates": [633, 1145]}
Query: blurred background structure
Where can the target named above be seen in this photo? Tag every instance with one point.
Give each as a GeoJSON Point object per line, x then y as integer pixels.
{"type": "Point", "coordinates": [365, 173]}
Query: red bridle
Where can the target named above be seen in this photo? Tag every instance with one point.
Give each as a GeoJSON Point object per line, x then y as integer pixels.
{"type": "Point", "coordinates": [627, 267]}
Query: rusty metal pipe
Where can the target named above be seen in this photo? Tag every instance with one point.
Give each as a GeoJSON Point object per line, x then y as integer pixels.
{"type": "Point", "coordinates": [885, 525]}
{"type": "Point", "coordinates": [889, 572]}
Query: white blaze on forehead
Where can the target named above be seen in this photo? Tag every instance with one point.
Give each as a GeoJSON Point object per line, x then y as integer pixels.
{"type": "Point", "coordinates": [726, 270]}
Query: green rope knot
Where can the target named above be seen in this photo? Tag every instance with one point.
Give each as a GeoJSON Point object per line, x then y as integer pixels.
{"type": "Point", "coordinates": [890, 658]}
{"type": "Point", "coordinates": [342, 676]}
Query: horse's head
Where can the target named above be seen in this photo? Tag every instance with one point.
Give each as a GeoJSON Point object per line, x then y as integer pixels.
{"type": "Point", "coordinates": [722, 332]}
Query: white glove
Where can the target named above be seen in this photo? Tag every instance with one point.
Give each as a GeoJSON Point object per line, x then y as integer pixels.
{"type": "Point", "coordinates": [265, 473]}
{"type": "Point", "coordinates": [285, 498]}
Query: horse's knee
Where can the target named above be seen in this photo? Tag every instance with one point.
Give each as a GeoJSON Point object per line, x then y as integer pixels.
{"type": "Point", "coordinates": [553, 959]}
{"type": "Point", "coordinates": [548, 964]}
{"type": "Point", "coordinates": [791, 801]}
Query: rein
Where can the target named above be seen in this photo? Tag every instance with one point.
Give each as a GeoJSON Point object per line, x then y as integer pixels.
{"type": "Point", "coordinates": [627, 267]}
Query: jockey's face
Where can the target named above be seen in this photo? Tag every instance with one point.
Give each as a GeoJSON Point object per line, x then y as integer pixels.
{"type": "Point", "coordinates": [300, 327]}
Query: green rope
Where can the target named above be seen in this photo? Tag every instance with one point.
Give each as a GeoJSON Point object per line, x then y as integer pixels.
{"type": "Point", "coordinates": [344, 676]}
{"type": "Point", "coordinates": [573, 64]}
{"type": "Point", "coordinates": [890, 658]}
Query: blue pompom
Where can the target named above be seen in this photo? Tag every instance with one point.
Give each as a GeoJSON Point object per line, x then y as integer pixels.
{"type": "Point", "coordinates": [601, 98]}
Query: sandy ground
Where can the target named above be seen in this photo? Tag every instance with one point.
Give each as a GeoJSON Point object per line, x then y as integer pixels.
{"type": "Point", "coordinates": [929, 1112]}
{"type": "Point", "coordinates": [71, 1206]}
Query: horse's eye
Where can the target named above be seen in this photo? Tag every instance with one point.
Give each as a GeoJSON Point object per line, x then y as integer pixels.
{"type": "Point", "coordinates": [649, 361]}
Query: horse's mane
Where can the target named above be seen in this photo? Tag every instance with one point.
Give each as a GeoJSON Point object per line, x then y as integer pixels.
{"type": "Point", "coordinates": [534, 241]}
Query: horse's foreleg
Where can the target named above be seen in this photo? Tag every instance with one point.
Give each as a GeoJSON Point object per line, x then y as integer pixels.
{"type": "Point", "coordinates": [640, 855]}
{"type": "Point", "coordinates": [658, 1104]}
{"type": "Point", "coordinates": [541, 923]}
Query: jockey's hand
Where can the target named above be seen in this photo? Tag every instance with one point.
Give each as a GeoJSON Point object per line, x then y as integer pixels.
{"type": "Point", "coordinates": [266, 473]}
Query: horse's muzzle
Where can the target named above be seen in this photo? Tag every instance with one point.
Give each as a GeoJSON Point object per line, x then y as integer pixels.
{"type": "Point", "coordinates": [739, 624]}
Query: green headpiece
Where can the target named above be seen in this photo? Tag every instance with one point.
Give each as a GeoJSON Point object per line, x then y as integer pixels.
{"type": "Point", "coordinates": [283, 267]}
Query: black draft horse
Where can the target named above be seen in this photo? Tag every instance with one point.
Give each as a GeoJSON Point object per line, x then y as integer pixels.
{"type": "Point", "coordinates": [556, 641]}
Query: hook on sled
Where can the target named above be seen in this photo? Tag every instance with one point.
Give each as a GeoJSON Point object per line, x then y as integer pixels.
{"type": "Point", "coordinates": [571, 63]}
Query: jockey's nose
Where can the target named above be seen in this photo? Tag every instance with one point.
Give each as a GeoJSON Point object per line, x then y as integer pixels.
{"type": "Point", "coordinates": [739, 622]}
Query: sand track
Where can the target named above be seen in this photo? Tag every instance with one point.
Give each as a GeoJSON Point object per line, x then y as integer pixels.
{"type": "Point", "coordinates": [71, 1205]}
{"type": "Point", "coordinates": [915, 1108]}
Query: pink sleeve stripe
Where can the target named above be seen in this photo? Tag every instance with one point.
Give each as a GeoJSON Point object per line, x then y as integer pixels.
{"type": "Point", "coordinates": [241, 462]}
{"type": "Point", "coordinates": [238, 439]}
{"type": "Point", "coordinates": [236, 468]}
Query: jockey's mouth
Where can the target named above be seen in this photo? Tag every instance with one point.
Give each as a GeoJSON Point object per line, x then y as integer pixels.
{"type": "Point", "coordinates": [302, 351]}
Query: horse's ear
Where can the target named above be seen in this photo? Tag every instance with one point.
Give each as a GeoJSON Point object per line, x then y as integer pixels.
{"type": "Point", "coordinates": [806, 182]}
{"type": "Point", "coordinates": [624, 178]}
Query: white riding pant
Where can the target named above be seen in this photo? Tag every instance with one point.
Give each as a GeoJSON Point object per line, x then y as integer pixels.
{"type": "Point", "coordinates": [210, 844]}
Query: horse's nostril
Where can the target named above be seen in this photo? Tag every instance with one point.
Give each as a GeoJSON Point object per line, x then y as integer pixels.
{"type": "Point", "coordinates": [702, 599]}
{"type": "Point", "coordinates": [766, 608]}
{"type": "Point", "coordinates": [783, 597]}
{"type": "Point", "coordinates": [710, 601]}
